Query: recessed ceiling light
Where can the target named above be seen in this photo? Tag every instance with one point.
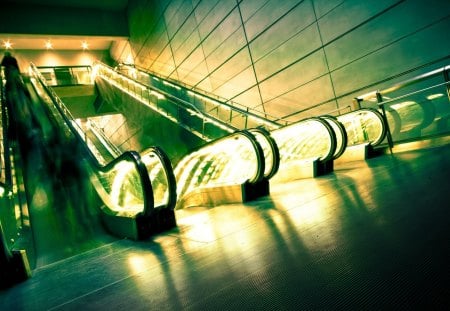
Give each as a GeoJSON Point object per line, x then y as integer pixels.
{"type": "Point", "coordinates": [7, 44]}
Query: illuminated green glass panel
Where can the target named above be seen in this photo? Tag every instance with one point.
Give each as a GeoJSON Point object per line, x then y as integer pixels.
{"type": "Point", "coordinates": [363, 126]}
{"type": "Point", "coordinates": [304, 140]}
{"type": "Point", "coordinates": [158, 178]}
{"type": "Point", "coordinates": [228, 161]}
{"type": "Point", "coordinates": [268, 152]}
{"type": "Point", "coordinates": [123, 189]}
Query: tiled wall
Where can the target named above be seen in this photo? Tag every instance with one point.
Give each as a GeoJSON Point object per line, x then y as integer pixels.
{"type": "Point", "coordinates": [292, 57]}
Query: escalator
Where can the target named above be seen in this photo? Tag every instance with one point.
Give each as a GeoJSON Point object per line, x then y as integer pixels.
{"type": "Point", "coordinates": [75, 202]}
{"type": "Point", "coordinates": [230, 166]}
{"type": "Point", "coordinates": [137, 190]}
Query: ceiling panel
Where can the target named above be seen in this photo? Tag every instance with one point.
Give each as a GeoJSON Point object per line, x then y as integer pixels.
{"type": "Point", "coordinates": [62, 42]}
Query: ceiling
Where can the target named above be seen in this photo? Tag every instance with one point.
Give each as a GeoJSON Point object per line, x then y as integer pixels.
{"type": "Point", "coordinates": [113, 5]}
{"type": "Point", "coordinates": [62, 42]}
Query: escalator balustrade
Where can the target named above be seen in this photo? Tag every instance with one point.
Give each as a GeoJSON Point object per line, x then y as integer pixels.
{"type": "Point", "coordinates": [179, 111]}
{"type": "Point", "coordinates": [228, 170]}
{"type": "Point", "coordinates": [416, 109]}
{"type": "Point", "coordinates": [364, 126]}
{"type": "Point", "coordinates": [123, 184]}
{"type": "Point", "coordinates": [306, 149]}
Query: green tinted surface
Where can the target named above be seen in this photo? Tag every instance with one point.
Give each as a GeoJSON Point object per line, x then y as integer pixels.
{"type": "Point", "coordinates": [268, 152]}
{"type": "Point", "coordinates": [339, 133]}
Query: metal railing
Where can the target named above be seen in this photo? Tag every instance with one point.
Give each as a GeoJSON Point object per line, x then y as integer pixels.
{"type": "Point", "coordinates": [416, 109]}
{"type": "Point", "coordinates": [66, 75]}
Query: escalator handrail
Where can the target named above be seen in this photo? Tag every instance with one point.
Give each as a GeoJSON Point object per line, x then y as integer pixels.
{"type": "Point", "coordinates": [171, 180]}
{"type": "Point", "coordinates": [274, 148]}
{"type": "Point", "coordinates": [259, 156]}
{"type": "Point", "coordinates": [328, 128]}
{"type": "Point", "coordinates": [127, 155]}
{"type": "Point", "coordinates": [383, 121]}
{"type": "Point", "coordinates": [256, 147]}
{"type": "Point", "coordinates": [330, 131]}
{"type": "Point", "coordinates": [342, 131]}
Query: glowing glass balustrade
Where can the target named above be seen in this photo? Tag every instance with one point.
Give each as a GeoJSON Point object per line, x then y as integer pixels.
{"type": "Point", "coordinates": [340, 134]}
{"type": "Point", "coordinates": [270, 149]}
{"type": "Point", "coordinates": [125, 189]}
{"type": "Point", "coordinates": [161, 177]}
{"type": "Point", "coordinates": [419, 114]}
{"type": "Point", "coordinates": [234, 114]}
{"type": "Point", "coordinates": [363, 126]}
{"type": "Point", "coordinates": [308, 139]}
{"type": "Point", "coordinates": [120, 183]}
{"type": "Point", "coordinates": [228, 161]}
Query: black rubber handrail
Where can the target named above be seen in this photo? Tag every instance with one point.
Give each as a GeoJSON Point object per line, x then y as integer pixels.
{"type": "Point", "coordinates": [341, 132]}
{"type": "Point", "coordinates": [274, 151]}
{"type": "Point", "coordinates": [171, 181]}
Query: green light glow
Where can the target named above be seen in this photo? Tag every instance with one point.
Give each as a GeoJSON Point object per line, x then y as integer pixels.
{"type": "Point", "coordinates": [434, 96]}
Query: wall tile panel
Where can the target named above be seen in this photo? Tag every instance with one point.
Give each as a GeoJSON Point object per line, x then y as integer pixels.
{"type": "Point", "coordinates": [296, 75]}
{"type": "Point", "coordinates": [291, 51]}
{"type": "Point", "coordinates": [267, 15]}
{"type": "Point", "coordinates": [410, 52]}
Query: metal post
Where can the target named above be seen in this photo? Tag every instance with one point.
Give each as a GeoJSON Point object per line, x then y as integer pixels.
{"type": "Point", "coordinates": [356, 103]}
{"type": "Point", "coordinates": [388, 131]}
{"type": "Point", "coordinates": [447, 80]}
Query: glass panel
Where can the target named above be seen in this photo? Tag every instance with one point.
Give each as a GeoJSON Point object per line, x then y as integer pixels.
{"type": "Point", "coordinates": [122, 189]}
{"type": "Point", "coordinates": [305, 140]}
{"type": "Point", "coordinates": [158, 178]}
{"type": "Point", "coordinates": [210, 104]}
{"type": "Point", "coordinates": [228, 161]}
{"type": "Point", "coordinates": [363, 126]}
{"type": "Point", "coordinates": [183, 113]}
{"type": "Point", "coordinates": [419, 114]}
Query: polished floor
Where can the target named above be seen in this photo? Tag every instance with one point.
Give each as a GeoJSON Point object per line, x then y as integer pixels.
{"type": "Point", "coordinates": [373, 235]}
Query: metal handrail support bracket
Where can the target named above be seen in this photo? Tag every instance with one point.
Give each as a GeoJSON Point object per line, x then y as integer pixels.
{"type": "Point", "coordinates": [356, 104]}
{"type": "Point", "coordinates": [447, 80]}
